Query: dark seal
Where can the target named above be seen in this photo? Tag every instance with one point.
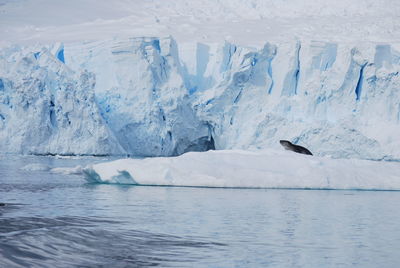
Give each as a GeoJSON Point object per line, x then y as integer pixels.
{"type": "Point", "coordinates": [2, 204]}
{"type": "Point", "coordinates": [294, 148]}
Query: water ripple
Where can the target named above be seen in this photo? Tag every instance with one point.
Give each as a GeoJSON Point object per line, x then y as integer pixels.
{"type": "Point", "coordinates": [80, 241]}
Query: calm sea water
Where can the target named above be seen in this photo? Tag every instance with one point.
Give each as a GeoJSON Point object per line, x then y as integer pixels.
{"type": "Point", "coordinates": [54, 220]}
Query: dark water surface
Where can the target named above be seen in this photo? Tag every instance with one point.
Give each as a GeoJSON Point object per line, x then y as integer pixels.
{"type": "Point", "coordinates": [53, 220]}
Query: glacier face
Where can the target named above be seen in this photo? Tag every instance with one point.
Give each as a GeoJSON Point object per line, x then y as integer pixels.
{"type": "Point", "coordinates": [142, 96]}
{"type": "Point", "coordinates": [154, 97]}
{"type": "Point", "coordinates": [337, 99]}
{"type": "Point", "coordinates": [46, 108]}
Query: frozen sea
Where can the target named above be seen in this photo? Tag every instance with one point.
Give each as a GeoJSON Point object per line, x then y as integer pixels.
{"type": "Point", "coordinates": [56, 220]}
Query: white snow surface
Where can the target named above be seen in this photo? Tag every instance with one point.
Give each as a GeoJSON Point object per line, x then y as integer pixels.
{"type": "Point", "coordinates": [160, 78]}
{"type": "Point", "coordinates": [244, 22]}
{"type": "Point", "coordinates": [250, 169]}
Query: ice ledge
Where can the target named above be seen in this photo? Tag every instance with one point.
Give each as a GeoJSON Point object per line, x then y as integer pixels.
{"type": "Point", "coordinates": [249, 169]}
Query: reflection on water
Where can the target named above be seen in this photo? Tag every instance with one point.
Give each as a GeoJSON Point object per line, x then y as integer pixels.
{"type": "Point", "coordinates": [53, 220]}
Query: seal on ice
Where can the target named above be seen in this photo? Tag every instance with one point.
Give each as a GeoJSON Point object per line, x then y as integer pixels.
{"type": "Point", "coordinates": [294, 148]}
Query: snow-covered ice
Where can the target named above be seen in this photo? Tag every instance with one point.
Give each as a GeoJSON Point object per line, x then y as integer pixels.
{"type": "Point", "coordinates": [155, 97]}
{"type": "Point", "coordinates": [245, 22]}
{"type": "Point", "coordinates": [67, 170]}
{"type": "Point", "coordinates": [253, 169]}
{"type": "Point", "coordinates": [35, 167]}
{"type": "Point", "coordinates": [58, 170]}
{"type": "Point", "coordinates": [161, 78]}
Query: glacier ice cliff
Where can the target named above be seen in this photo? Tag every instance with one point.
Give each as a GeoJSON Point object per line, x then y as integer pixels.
{"type": "Point", "coordinates": [153, 97]}
{"type": "Point", "coordinates": [46, 108]}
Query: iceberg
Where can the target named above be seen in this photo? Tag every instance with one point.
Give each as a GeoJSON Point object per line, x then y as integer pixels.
{"type": "Point", "coordinates": [249, 169]}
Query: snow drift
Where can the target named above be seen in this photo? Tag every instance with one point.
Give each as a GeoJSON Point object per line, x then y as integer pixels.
{"type": "Point", "coordinates": [257, 169]}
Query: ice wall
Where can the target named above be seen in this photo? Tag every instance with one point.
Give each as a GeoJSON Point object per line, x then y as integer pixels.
{"type": "Point", "coordinates": [142, 95]}
{"type": "Point", "coordinates": [152, 97]}
{"type": "Point", "coordinates": [340, 100]}
{"type": "Point", "coordinates": [46, 108]}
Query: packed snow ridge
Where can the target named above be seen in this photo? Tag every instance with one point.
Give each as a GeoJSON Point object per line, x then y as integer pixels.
{"type": "Point", "coordinates": [150, 96]}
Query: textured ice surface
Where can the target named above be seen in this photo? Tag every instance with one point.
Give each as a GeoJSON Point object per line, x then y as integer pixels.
{"type": "Point", "coordinates": [46, 108]}
{"type": "Point", "coordinates": [242, 75]}
{"type": "Point", "coordinates": [138, 96]}
{"type": "Point", "coordinates": [258, 169]}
